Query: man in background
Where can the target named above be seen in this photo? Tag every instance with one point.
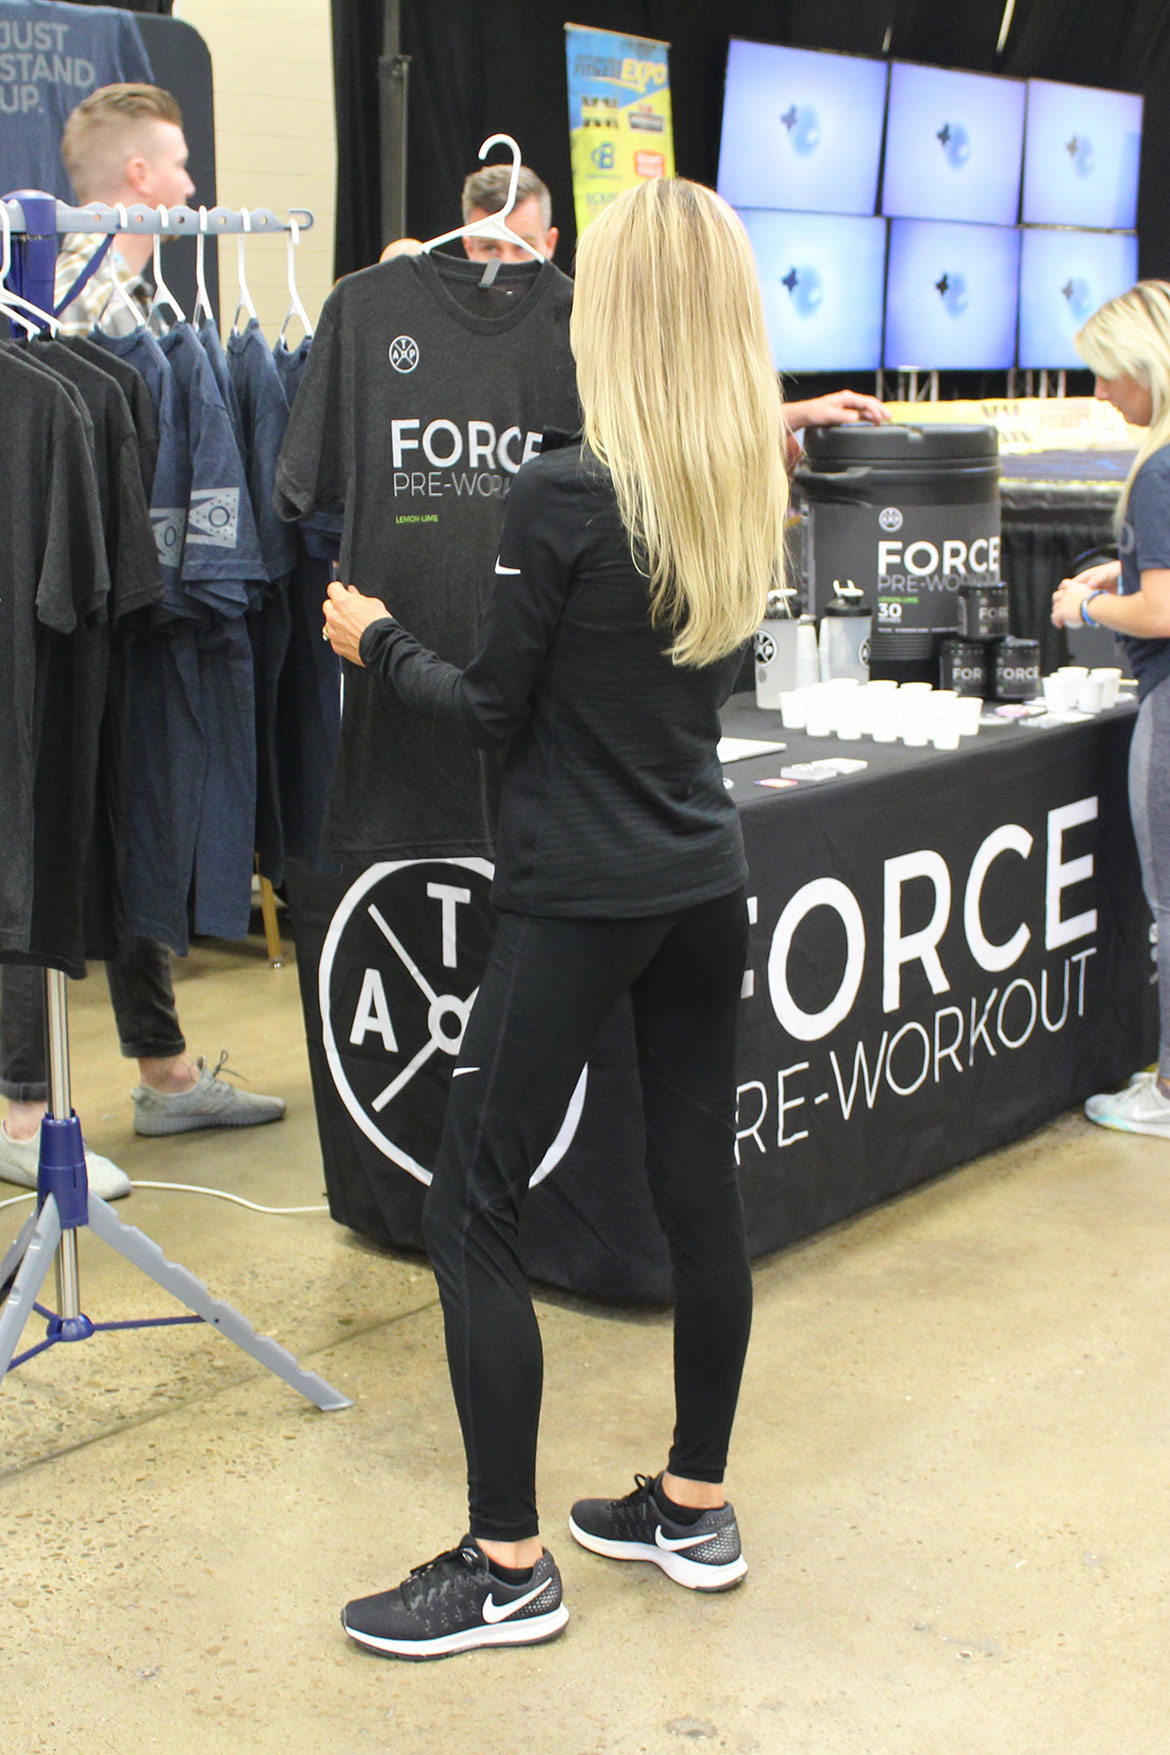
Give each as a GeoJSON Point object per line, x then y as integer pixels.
{"type": "Point", "coordinates": [123, 144]}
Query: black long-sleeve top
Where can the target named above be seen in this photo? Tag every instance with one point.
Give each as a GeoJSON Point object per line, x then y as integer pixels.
{"type": "Point", "coordinates": [612, 802]}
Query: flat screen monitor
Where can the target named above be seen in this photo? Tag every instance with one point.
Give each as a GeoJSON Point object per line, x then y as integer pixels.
{"type": "Point", "coordinates": [1064, 277]}
{"type": "Point", "coordinates": [1081, 156]}
{"type": "Point", "coordinates": [801, 130]}
{"type": "Point", "coordinates": [822, 280]}
{"type": "Point", "coordinates": [951, 296]}
{"type": "Point", "coordinates": [954, 144]}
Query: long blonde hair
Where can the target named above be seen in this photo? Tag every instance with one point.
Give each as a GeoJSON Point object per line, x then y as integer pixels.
{"type": "Point", "coordinates": [1129, 337]}
{"type": "Point", "coordinates": [683, 407]}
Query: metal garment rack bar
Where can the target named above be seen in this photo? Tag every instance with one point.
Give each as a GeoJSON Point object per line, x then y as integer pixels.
{"type": "Point", "coordinates": [64, 1201]}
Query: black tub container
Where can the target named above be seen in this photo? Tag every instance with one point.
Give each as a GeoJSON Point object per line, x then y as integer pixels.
{"type": "Point", "coordinates": [1014, 667]}
{"type": "Point", "coordinates": [983, 611]}
{"type": "Point", "coordinates": [910, 514]}
{"type": "Point", "coordinates": [962, 666]}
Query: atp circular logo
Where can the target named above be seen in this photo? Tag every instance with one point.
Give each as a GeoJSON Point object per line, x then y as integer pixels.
{"type": "Point", "coordinates": [398, 975]}
{"type": "Point", "coordinates": [890, 518]}
{"type": "Point", "coordinates": [404, 354]}
{"type": "Point", "coordinates": [765, 647]}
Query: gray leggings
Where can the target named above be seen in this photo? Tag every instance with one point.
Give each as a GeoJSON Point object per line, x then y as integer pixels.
{"type": "Point", "coordinates": [1149, 806]}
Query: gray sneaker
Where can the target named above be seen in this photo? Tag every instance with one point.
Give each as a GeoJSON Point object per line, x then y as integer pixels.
{"type": "Point", "coordinates": [209, 1103]}
{"type": "Point", "coordinates": [19, 1160]}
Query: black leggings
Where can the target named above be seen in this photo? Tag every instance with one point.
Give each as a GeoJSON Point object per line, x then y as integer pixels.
{"type": "Point", "coordinates": [548, 986]}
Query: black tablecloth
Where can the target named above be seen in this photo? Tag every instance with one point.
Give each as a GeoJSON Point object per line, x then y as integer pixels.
{"type": "Point", "coordinates": [947, 950]}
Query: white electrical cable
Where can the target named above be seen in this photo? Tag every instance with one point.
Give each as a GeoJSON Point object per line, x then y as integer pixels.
{"type": "Point", "coordinates": [221, 1194]}
{"type": "Point", "coordinates": [191, 1188]}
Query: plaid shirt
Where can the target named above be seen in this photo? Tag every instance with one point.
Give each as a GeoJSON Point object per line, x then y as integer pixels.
{"type": "Point", "coordinates": [80, 315]}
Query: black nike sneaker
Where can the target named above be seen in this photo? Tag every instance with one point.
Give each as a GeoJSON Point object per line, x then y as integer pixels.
{"type": "Point", "coordinates": [704, 1555]}
{"type": "Point", "coordinates": [455, 1603]}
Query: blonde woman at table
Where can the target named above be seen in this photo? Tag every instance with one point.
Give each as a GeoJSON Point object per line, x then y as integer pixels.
{"type": "Point", "coordinates": [1127, 345]}
{"type": "Point", "coordinates": [634, 562]}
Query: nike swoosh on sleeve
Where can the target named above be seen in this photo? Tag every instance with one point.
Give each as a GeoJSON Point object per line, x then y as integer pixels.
{"type": "Point", "coordinates": [501, 568]}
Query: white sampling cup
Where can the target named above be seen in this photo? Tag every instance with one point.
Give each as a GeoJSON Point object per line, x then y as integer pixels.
{"type": "Point", "coordinates": [1111, 683]}
{"type": "Point", "coordinates": [969, 710]}
{"type": "Point", "coordinates": [1091, 694]}
{"type": "Point", "coordinates": [794, 709]}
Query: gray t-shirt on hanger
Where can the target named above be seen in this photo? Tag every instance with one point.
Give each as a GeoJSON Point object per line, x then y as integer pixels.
{"type": "Point", "coordinates": [424, 393]}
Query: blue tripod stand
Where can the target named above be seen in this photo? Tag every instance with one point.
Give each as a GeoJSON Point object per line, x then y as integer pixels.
{"type": "Point", "coordinates": [64, 1205]}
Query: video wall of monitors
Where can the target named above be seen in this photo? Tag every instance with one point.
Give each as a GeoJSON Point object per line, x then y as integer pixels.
{"type": "Point", "coordinates": [922, 218]}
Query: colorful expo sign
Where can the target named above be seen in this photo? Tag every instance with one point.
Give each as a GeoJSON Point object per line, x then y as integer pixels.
{"type": "Point", "coordinates": [619, 115]}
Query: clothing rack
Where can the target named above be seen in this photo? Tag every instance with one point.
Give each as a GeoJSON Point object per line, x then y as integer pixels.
{"type": "Point", "coordinates": [64, 1200]}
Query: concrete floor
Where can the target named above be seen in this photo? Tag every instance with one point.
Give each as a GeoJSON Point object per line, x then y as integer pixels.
{"type": "Point", "coordinates": [950, 1471]}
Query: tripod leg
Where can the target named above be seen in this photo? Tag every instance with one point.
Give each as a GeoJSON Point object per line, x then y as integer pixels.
{"type": "Point", "coordinates": [138, 1248]}
{"type": "Point", "coordinates": [42, 1240]}
{"type": "Point", "coordinates": [15, 1255]}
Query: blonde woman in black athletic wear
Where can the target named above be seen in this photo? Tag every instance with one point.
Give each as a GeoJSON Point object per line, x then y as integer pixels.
{"type": "Point", "coordinates": [634, 563]}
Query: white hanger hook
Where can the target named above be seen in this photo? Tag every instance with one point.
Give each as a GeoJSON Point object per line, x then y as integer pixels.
{"type": "Point", "coordinates": [244, 303]}
{"type": "Point", "coordinates": [514, 149]}
{"type": "Point", "coordinates": [202, 301]}
{"type": "Point", "coordinates": [295, 309]}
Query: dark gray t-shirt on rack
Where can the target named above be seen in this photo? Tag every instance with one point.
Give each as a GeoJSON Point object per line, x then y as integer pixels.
{"type": "Point", "coordinates": [135, 578]}
{"type": "Point", "coordinates": [424, 393]}
{"type": "Point", "coordinates": [133, 388]}
{"type": "Point", "coordinates": [55, 581]}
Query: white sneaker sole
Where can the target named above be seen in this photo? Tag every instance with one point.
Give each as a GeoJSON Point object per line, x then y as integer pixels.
{"type": "Point", "coordinates": [1158, 1130]}
{"type": "Point", "coordinates": [692, 1574]}
{"type": "Point", "coordinates": [153, 1126]}
{"type": "Point", "coordinates": [534, 1630]}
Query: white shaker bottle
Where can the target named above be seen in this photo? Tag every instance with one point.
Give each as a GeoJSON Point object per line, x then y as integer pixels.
{"type": "Point", "coordinates": [844, 638]}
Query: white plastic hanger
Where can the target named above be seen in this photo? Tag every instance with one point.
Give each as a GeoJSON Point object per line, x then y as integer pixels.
{"type": "Point", "coordinates": [11, 303]}
{"type": "Point", "coordinates": [296, 308]}
{"type": "Point", "coordinates": [118, 294]}
{"type": "Point", "coordinates": [202, 301]}
{"type": "Point", "coordinates": [244, 302]}
{"type": "Point", "coordinates": [492, 225]}
{"type": "Point", "coordinates": [162, 292]}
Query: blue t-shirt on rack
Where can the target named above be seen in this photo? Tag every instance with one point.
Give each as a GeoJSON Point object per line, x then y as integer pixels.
{"type": "Point", "coordinates": [171, 488]}
{"type": "Point", "coordinates": [51, 57]}
{"type": "Point", "coordinates": [263, 410]}
{"type": "Point", "coordinates": [221, 554]}
{"type": "Point", "coordinates": [214, 349]}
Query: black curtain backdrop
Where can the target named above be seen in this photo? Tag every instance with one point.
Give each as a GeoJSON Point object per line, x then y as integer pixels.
{"type": "Point", "coordinates": [477, 69]}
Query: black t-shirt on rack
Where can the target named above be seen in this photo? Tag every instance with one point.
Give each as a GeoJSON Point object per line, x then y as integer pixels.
{"type": "Point", "coordinates": [135, 578]}
{"type": "Point", "coordinates": [612, 803]}
{"type": "Point", "coordinates": [53, 592]}
{"type": "Point", "coordinates": [423, 394]}
{"type": "Point", "coordinates": [134, 389]}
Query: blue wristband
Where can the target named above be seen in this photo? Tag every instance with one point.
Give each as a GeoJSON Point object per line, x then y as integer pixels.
{"type": "Point", "coordinates": [1085, 616]}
